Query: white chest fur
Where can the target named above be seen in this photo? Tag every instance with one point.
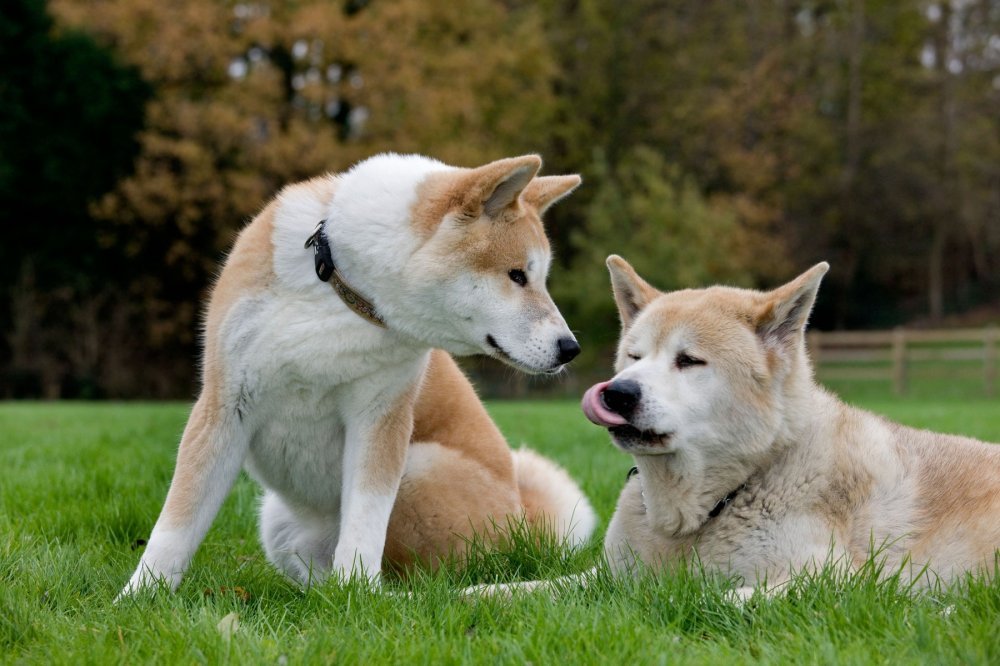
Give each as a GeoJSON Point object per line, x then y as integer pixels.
{"type": "Point", "coordinates": [300, 370]}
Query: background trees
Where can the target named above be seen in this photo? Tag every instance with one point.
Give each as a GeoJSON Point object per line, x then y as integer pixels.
{"type": "Point", "coordinates": [718, 141]}
{"type": "Point", "coordinates": [68, 112]}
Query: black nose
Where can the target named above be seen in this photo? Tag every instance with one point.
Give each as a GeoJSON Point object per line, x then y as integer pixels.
{"type": "Point", "coordinates": [622, 397]}
{"type": "Point", "coordinates": [568, 349]}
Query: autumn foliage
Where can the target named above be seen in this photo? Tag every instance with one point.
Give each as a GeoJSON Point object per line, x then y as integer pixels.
{"type": "Point", "coordinates": [718, 141]}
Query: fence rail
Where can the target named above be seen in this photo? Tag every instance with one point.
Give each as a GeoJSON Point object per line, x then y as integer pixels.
{"type": "Point", "coordinates": [892, 355]}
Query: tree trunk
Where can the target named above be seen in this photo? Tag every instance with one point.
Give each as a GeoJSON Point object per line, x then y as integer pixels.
{"type": "Point", "coordinates": [946, 212]}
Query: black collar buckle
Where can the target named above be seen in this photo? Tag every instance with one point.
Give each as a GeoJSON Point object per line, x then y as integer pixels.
{"type": "Point", "coordinates": [322, 256]}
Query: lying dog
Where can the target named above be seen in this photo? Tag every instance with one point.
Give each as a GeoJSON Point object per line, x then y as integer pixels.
{"type": "Point", "coordinates": [745, 463]}
{"type": "Point", "coordinates": [314, 389]}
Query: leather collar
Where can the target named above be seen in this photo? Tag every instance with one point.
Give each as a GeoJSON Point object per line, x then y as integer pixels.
{"type": "Point", "coordinates": [327, 271]}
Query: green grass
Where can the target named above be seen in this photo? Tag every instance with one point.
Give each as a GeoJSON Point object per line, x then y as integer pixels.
{"type": "Point", "coordinates": [80, 483]}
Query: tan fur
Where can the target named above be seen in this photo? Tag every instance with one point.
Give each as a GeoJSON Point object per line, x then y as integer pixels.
{"type": "Point", "coordinates": [438, 195]}
{"type": "Point", "coordinates": [819, 474]}
{"type": "Point", "coordinates": [544, 191]}
{"type": "Point", "coordinates": [387, 456]}
{"type": "Point", "coordinates": [251, 256]}
{"type": "Point", "coordinates": [435, 514]}
{"type": "Point", "coordinates": [449, 412]}
{"type": "Point", "coordinates": [464, 192]}
{"type": "Point", "coordinates": [322, 411]}
{"type": "Point", "coordinates": [249, 269]}
{"type": "Point", "coordinates": [533, 498]}
{"type": "Point", "coordinates": [473, 485]}
{"type": "Point", "coordinates": [195, 450]}
{"type": "Point", "coordinates": [484, 245]}
{"type": "Point", "coordinates": [539, 495]}
{"type": "Point", "coordinates": [961, 491]}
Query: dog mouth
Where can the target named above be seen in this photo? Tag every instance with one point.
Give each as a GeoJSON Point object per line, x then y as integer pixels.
{"type": "Point", "coordinates": [625, 435]}
{"type": "Point", "coordinates": [503, 355]}
{"type": "Point", "coordinates": [630, 438]}
{"type": "Point", "coordinates": [596, 411]}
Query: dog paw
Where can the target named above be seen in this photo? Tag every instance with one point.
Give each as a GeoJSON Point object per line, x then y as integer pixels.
{"type": "Point", "coordinates": [144, 580]}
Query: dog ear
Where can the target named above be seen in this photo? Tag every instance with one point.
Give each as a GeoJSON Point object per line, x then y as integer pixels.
{"type": "Point", "coordinates": [492, 188]}
{"type": "Point", "coordinates": [786, 309]}
{"type": "Point", "coordinates": [544, 191]}
{"type": "Point", "coordinates": [632, 293]}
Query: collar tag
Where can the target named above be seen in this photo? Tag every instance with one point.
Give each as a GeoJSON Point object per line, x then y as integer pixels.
{"type": "Point", "coordinates": [327, 271]}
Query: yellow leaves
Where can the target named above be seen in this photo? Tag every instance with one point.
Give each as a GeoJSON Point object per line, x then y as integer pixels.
{"type": "Point", "coordinates": [171, 42]}
{"type": "Point", "coordinates": [251, 96]}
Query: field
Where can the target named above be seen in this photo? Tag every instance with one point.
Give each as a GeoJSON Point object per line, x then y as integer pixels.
{"type": "Point", "coordinates": [81, 483]}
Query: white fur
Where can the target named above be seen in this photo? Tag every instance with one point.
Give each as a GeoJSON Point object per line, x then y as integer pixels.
{"type": "Point", "coordinates": [574, 519]}
{"type": "Point", "coordinates": [813, 481]}
{"type": "Point", "coordinates": [824, 482]}
{"type": "Point", "coordinates": [306, 382]}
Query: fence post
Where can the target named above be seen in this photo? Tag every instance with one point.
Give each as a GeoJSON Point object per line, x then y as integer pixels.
{"type": "Point", "coordinates": [899, 361]}
{"type": "Point", "coordinates": [990, 335]}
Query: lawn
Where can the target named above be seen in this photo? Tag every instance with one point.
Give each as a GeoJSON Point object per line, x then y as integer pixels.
{"type": "Point", "coordinates": [80, 484]}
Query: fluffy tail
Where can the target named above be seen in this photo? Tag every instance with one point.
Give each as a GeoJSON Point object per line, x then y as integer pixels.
{"type": "Point", "coordinates": [551, 499]}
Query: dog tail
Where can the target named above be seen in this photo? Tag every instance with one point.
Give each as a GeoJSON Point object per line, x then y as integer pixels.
{"type": "Point", "coordinates": [551, 499]}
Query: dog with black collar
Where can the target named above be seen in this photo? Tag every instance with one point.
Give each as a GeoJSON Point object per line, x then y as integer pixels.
{"type": "Point", "coordinates": [324, 375]}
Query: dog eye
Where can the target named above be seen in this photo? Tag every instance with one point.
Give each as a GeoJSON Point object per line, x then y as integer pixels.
{"type": "Point", "coordinates": [634, 356]}
{"type": "Point", "coordinates": [518, 277]}
{"type": "Point", "coordinates": [685, 361]}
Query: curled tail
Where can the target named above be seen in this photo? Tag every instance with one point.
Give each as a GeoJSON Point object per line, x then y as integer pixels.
{"type": "Point", "coordinates": [551, 499]}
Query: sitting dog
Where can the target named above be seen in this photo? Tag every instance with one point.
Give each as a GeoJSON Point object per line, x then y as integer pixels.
{"type": "Point", "coordinates": [744, 463]}
{"type": "Point", "coordinates": [318, 353]}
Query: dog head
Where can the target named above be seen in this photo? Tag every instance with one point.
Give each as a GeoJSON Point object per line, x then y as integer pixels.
{"type": "Point", "coordinates": [475, 280]}
{"type": "Point", "coordinates": [709, 373]}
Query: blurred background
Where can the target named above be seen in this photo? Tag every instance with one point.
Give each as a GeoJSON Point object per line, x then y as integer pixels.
{"type": "Point", "coordinates": [735, 142]}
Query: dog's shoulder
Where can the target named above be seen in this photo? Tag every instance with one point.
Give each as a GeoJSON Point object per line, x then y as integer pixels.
{"type": "Point", "coordinates": [253, 262]}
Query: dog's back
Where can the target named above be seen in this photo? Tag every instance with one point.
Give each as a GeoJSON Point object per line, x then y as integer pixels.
{"type": "Point", "coordinates": [955, 498]}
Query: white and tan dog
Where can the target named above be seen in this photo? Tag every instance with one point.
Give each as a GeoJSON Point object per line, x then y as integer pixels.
{"type": "Point", "coordinates": [314, 389]}
{"type": "Point", "coordinates": [748, 465]}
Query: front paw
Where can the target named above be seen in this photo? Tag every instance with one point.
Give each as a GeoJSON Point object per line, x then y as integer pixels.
{"type": "Point", "coordinates": [370, 579]}
{"type": "Point", "coordinates": [145, 580]}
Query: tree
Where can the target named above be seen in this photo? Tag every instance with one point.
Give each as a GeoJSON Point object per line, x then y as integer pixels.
{"type": "Point", "coordinates": [253, 96]}
{"type": "Point", "coordinates": [69, 112]}
{"type": "Point", "coordinates": [655, 216]}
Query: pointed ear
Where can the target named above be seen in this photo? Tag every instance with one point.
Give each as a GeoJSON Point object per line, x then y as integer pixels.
{"type": "Point", "coordinates": [490, 189]}
{"type": "Point", "coordinates": [544, 191]}
{"type": "Point", "coordinates": [632, 293]}
{"type": "Point", "coordinates": [786, 309]}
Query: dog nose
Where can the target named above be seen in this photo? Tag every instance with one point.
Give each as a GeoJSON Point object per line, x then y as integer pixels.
{"type": "Point", "coordinates": [622, 397]}
{"type": "Point", "coordinates": [568, 349]}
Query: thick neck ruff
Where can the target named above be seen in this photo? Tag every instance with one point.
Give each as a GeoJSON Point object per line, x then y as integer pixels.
{"type": "Point", "coordinates": [327, 271]}
{"type": "Point", "coordinates": [720, 505]}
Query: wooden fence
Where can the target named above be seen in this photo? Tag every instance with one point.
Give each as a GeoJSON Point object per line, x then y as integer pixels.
{"type": "Point", "coordinates": [891, 355]}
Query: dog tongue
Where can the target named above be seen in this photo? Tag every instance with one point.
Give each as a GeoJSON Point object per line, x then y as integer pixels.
{"type": "Point", "coordinates": [594, 409]}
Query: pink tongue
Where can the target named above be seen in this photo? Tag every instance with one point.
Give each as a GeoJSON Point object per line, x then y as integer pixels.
{"type": "Point", "coordinates": [595, 410]}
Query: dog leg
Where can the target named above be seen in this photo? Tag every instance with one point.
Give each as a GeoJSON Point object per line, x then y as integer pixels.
{"type": "Point", "coordinates": [552, 587]}
{"type": "Point", "coordinates": [374, 458]}
{"type": "Point", "coordinates": [209, 458]}
{"type": "Point", "coordinates": [297, 543]}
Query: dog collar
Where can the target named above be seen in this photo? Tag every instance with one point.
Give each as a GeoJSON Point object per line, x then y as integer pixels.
{"type": "Point", "coordinates": [724, 502]}
{"type": "Point", "coordinates": [327, 271]}
{"type": "Point", "coordinates": [717, 509]}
